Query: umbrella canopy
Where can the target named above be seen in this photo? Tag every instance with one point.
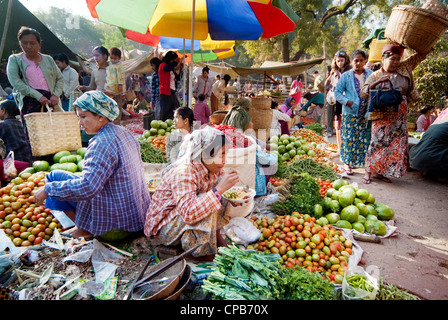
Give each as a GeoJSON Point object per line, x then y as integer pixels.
{"type": "Point", "coordinates": [217, 19]}
{"type": "Point", "coordinates": [177, 43]}
{"type": "Point", "coordinates": [198, 19]}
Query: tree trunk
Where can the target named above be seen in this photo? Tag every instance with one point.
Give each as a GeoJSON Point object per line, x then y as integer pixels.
{"type": "Point", "coordinates": [297, 55]}
{"type": "Point", "coordinates": [285, 49]}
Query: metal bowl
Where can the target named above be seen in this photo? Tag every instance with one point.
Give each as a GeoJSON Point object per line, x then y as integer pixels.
{"type": "Point", "coordinates": [164, 284]}
{"type": "Point", "coordinates": [181, 285]}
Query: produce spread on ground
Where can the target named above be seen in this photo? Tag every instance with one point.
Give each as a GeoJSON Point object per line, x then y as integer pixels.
{"type": "Point", "coordinates": [305, 248]}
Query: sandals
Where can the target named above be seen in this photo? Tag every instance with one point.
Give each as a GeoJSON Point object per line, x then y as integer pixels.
{"type": "Point", "coordinates": [366, 180]}
{"type": "Point", "coordinates": [348, 169]}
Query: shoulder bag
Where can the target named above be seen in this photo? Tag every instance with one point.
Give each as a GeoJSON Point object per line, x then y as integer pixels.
{"type": "Point", "coordinates": [385, 100]}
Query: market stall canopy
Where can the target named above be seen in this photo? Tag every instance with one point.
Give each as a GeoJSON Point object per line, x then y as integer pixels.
{"type": "Point", "coordinates": [137, 65]}
{"type": "Point", "coordinates": [219, 69]}
{"type": "Point", "coordinates": [278, 68]}
{"type": "Point", "coordinates": [14, 15]}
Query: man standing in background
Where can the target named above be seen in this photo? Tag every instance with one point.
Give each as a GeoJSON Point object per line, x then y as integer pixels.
{"type": "Point", "coordinates": [71, 79]}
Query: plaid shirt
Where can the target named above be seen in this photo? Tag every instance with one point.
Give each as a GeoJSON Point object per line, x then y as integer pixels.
{"type": "Point", "coordinates": [13, 135]}
{"type": "Point", "coordinates": [111, 193]}
{"type": "Point", "coordinates": [185, 190]}
{"type": "Point", "coordinates": [155, 83]}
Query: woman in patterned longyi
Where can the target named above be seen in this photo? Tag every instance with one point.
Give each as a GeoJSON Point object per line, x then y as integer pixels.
{"type": "Point", "coordinates": [387, 154]}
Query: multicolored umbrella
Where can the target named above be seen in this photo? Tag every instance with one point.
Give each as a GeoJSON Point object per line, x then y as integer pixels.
{"type": "Point", "coordinates": [177, 43]}
{"type": "Point", "coordinates": [219, 19]}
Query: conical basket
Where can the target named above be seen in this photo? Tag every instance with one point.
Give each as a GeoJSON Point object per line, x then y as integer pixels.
{"type": "Point", "coordinates": [415, 28]}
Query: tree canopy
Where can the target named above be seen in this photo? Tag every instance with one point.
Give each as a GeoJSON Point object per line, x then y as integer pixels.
{"type": "Point", "coordinates": [81, 35]}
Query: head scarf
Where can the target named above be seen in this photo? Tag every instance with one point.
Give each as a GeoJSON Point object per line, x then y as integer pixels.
{"type": "Point", "coordinates": [393, 49]}
{"type": "Point", "coordinates": [193, 146]}
{"type": "Point", "coordinates": [97, 102]}
{"type": "Point", "coordinates": [288, 102]}
{"type": "Point", "coordinates": [238, 118]}
{"type": "Point", "coordinates": [243, 102]}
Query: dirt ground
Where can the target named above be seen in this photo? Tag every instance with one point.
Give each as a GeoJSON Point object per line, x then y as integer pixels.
{"type": "Point", "coordinates": [416, 257]}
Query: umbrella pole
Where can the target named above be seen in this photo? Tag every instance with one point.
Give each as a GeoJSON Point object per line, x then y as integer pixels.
{"type": "Point", "coordinates": [184, 80]}
{"type": "Point", "coordinates": [190, 84]}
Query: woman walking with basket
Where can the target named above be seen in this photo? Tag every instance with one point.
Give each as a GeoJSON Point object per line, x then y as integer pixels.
{"type": "Point", "coordinates": [387, 153]}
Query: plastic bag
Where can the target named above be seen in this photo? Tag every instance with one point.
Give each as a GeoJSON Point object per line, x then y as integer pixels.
{"type": "Point", "coordinates": [354, 293]}
{"type": "Point", "coordinates": [241, 231]}
{"type": "Point", "coordinates": [9, 168]}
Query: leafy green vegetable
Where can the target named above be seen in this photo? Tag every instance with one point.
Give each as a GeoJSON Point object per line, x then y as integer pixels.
{"type": "Point", "coordinates": [251, 275]}
{"type": "Point", "coordinates": [245, 275]}
{"type": "Point", "coordinates": [305, 285]}
{"type": "Point", "coordinates": [150, 154]}
{"type": "Point", "coordinates": [281, 167]}
{"type": "Point", "coordinates": [299, 193]}
{"type": "Point", "coordinates": [316, 127]}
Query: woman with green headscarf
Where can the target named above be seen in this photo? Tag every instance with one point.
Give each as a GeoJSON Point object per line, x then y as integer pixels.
{"type": "Point", "coordinates": [110, 196]}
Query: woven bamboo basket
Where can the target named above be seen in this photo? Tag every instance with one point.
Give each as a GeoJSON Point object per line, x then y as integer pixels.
{"type": "Point", "coordinates": [376, 48]}
{"type": "Point", "coordinates": [218, 116]}
{"type": "Point", "coordinates": [261, 120]}
{"type": "Point", "coordinates": [436, 7]}
{"type": "Point", "coordinates": [415, 28]}
{"type": "Point", "coordinates": [261, 103]}
{"type": "Point", "coordinates": [51, 132]}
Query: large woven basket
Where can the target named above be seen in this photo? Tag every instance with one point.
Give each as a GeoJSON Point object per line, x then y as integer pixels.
{"type": "Point", "coordinates": [261, 120]}
{"type": "Point", "coordinates": [261, 103]}
{"type": "Point", "coordinates": [52, 132]}
{"type": "Point", "coordinates": [415, 28]}
{"type": "Point", "coordinates": [376, 48]}
{"type": "Point", "coordinates": [436, 7]}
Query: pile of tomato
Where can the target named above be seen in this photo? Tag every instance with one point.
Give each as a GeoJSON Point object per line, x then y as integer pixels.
{"type": "Point", "coordinates": [20, 218]}
{"type": "Point", "coordinates": [324, 185]}
{"type": "Point", "coordinates": [159, 142]}
{"type": "Point", "coordinates": [309, 136]}
{"type": "Point", "coordinates": [276, 182]}
{"type": "Point", "coordinates": [300, 241]}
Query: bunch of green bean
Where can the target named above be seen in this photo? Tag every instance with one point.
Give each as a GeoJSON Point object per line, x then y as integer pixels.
{"type": "Point", "coordinates": [150, 154]}
{"type": "Point", "coordinates": [311, 167]}
{"type": "Point", "coordinates": [361, 282]}
{"type": "Point", "coordinates": [391, 292]}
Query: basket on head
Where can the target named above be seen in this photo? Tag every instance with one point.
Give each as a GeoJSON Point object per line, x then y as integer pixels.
{"type": "Point", "coordinates": [376, 48]}
{"type": "Point", "coordinates": [436, 7]}
{"type": "Point", "coordinates": [415, 28]}
{"type": "Point", "coordinates": [261, 121]}
{"type": "Point", "coordinates": [261, 103]}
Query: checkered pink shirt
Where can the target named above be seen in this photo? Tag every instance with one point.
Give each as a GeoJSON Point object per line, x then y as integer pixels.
{"type": "Point", "coordinates": [185, 190]}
